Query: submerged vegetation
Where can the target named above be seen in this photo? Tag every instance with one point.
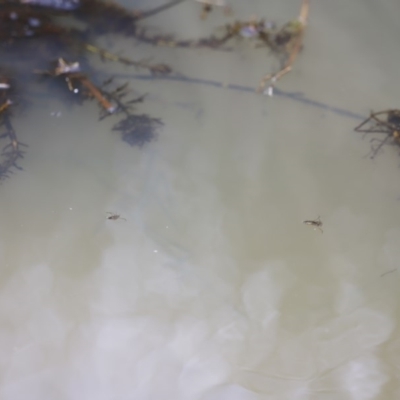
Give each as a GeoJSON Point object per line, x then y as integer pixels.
{"type": "Point", "coordinates": [41, 44]}
{"type": "Point", "coordinates": [42, 47]}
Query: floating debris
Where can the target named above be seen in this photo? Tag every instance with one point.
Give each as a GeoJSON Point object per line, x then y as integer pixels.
{"type": "Point", "coordinates": [35, 43]}
{"type": "Point", "coordinates": [386, 123]}
{"type": "Point", "coordinates": [76, 81]}
{"type": "Point", "coordinates": [288, 41]}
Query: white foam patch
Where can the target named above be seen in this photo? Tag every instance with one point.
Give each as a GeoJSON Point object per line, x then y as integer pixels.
{"type": "Point", "coordinates": [141, 327]}
{"type": "Point", "coordinates": [263, 291]}
{"type": "Point", "coordinates": [38, 385]}
{"type": "Point", "coordinates": [350, 335]}
{"type": "Point", "coordinates": [349, 297]}
{"type": "Point", "coordinates": [190, 333]}
{"type": "Point", "coordinates": [118, 356]}
{"type": "Point", "coordinates": [262, 294]}
{"type": "Point", "coordinates": [202, 372]}
{"type": "Point", "coordinates": [141, 357]}
{"type": "Point", "coordinates": [135, 278]}
{"type": "Point", "coordinates": [152, 331]}
{"type": "Point", "coordinates": [363, 378]}
{"type": "Point", "coordinates": [148, 330]}
{"type": "Point", "coordinates": [273, 386]}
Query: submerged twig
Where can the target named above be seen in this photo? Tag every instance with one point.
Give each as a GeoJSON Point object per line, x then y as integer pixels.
{"type": "Point", "coordinates": [386, 122]}
{"type": "Point", "coordinates": [153, 68]}
{"type": "Point", "coordinates": [11, 152]}
{"type": "Point", "coordinates": [73, 77]}
{"type": "Point", "coordinates": [95, 92]}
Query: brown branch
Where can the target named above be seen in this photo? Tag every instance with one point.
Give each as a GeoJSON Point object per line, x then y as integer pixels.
{"type": "Point", "coordinates": [296, 29]}
{"type": "Point", "coordinates": [97, 94]}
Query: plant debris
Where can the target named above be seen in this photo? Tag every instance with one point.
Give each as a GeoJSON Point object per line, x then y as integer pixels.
{"type": "Point", "coordinates": [48, 43]}
{"type": "Point", "coordinates": [36, 42]}
{"type": "Point", "coordinates": [288, 41]}
{"type": "Point", "coordinates": [207, 7]}
{"type": "Point", "coordinates": [386, 123]}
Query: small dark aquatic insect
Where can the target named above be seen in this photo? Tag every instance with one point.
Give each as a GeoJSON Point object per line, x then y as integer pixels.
{"type": "Point", "coordinates": [316, 223]}
{"type": "Point", "coordinates": [114, 217]}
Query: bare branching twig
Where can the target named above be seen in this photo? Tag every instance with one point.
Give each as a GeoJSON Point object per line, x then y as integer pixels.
{"type": "Point", "coordinates": [385, 122]}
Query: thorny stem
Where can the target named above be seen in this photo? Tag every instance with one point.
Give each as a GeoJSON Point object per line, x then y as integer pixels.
{"type": "Point", "coordinates": [294, 47]}
{"type": "Point", "coordinates": [97, 95]}
{"type": "Point", "coordinates": [121, 107]}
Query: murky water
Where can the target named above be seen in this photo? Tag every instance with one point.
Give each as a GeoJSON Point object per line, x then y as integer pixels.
{"type": "Point", "coordinates": [212, 288]}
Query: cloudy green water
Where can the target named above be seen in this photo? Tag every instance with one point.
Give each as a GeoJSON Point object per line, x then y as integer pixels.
{"type": "Point", "coordinates": [213, 289]}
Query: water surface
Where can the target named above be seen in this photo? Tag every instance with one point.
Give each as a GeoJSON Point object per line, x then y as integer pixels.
{"type": "Point", "coordinates": [212, 288]}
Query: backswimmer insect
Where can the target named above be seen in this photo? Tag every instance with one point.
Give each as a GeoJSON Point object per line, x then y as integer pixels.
{"type": "Point", "coordinates": [316, 223]}
{"type": "Point", "coordinates": [114, 217]}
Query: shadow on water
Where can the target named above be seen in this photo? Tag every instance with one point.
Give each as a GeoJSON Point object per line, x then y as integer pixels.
{"type": "Point", "coordinates": [295, 96]}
